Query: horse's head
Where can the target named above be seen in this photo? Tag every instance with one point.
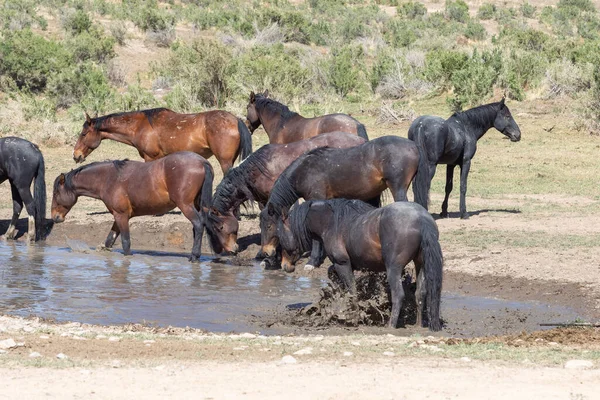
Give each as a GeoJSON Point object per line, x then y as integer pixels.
{"type": "Point", "coordinates": [505, 123]}
{"type": "Point", "coordinates": [222, 231]}
{"type": "Point", "coordinates": [268, 230]}
{"type": "Point", "coordinates": [63, 199]}
{"type": "Point", "coordinates": [89, 139]}
{"type": "Point", "coordinates": [290, 248]}
{"type": "Point", "coordinates": [252, 118]}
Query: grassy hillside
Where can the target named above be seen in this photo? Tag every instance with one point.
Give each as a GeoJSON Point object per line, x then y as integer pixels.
{"type": "Point", "coordinates": [391, 60]}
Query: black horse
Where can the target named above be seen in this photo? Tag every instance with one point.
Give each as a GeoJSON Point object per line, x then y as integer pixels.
{"type": "Point", "coordinates": [454, 142]}
{"type": "Point", "coordinates": [22, 162]}
{"type": "Point", "coordinates": [358, 236]}
{"type": "Point", "coordinates": [362, 172]}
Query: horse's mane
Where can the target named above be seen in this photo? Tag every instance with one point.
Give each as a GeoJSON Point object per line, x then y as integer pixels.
{"type": "Point", "coordinates": [347, 210]}
{"type": "Point", "coordinates": [69, 176]}
{"type": "Point", "coordinates": [297, 223]}
{"type": "Point", "coordinates": [262, 102]}
{"type": "Point", "coordinates": [150, 114]}
{"type": "Point", "coordinates": [239, 179]}
{"type": "Point", "coordinates": [478, 116]}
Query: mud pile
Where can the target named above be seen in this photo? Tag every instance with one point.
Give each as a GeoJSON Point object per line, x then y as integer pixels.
{"type": "Point", "coordinates": [370, 305]}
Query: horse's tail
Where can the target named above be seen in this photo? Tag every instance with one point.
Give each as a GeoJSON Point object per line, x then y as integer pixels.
{"type": "Point", "coordinates": [421, 181]}
{"type": "Point", "coordinates": [245, 140]}
{"type": "Point", "coordinates": [432, 268]}
{"type": "Point", "coordinates": [39, 199]}
{"type": "Point", "coordinates": [362, 131]}
{"type": "Point", "coordinates": [205, 196]}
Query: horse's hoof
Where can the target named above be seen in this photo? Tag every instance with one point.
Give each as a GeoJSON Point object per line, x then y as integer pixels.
{"type": "Point", "coordinates": [444, 214]}
{"type": "Point", "coordinates": [464, 216]}
{"type": "Point", "coordinates": [102, 247]}
{"type": "Point", "coordinates": [267, 264]}
{"type": "Point", "coordinates": [309, 267]}
{"type": "Point", "coordinates": [194, 259]}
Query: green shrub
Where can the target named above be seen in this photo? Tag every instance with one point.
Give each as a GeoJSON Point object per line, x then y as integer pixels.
{"type": "Point", "coordinates": [440, 66]}
{"type": "Point", "coordinates": [77, 22]}
{"type": "Point", "coordinates": [401, 33]}
{"type": "Point", "coordinates": [588, 26]}
{"type": "Point", "coordinates": [412, 10]}
{"type": "Point", "coordinates": [583, 5]}
{"type": "Point", "coordinates": [136, 98]}
{"type": "Point", "coordinates": [521, 71]}
{"type": "Point", "coordinates": [91, 46]}
{"type": "Point", "coordinates": [345, 69]}
{"type": "Point", "coordinates": [118, 30]}
{"type": "Point", "coordinates": [486, 11]}
{"type": "Point", "coordinates": [504, 15]}
{"type": "Point", "coordinates": [457, 10]}
{"type": "Point", "coordinates": [475, 31]}
{"type": "Point", "coordinates": [527, 10]}
{"type": "Point", "coordinates": [474, 83]}
{"type": "Point", "coordinates": [20, 14]}
{"type": "Point", "coordinates": [382, 66]}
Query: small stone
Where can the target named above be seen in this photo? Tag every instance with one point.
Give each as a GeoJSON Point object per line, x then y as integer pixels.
{"type": "Point", "coordinates": [247, 335]}
{"type": "Point", "coordinates": [309, 267]}
{"type": "Point", "coordinates": [149, 341]}
{"type": "Point", "coordinates": [355, 343]}
{"type": "Point", "coordinates": [288, 360]}
{"type": "Point", "coordinates": [552, 344]}
{"type": "Point", "coordinates": [45, 337]}
{"type": "Point", "coordinates": [579, 364]}
{"type": "Point", "coordinates": [465, 359]}
{"type": "Point", "coordinates": [100, 337]}
{"type": "Point", "coordinates": [114, 339]}
{"type": "Point", "coordinates": [240, 348]}
{"type": "Point", "coordinates": [28, 329]}
{"type": "Point", "coordinates": [3, 351]}
{"type": "Point", "coordinates": [79, 338]}
{"type": "Point", "coordinates": [388, 353]}
{"type": "Point", "coordinates": [115, 363]}
{"type": "Point", "coordinates": [413, 344]}
{"type": "Point", "coordinates": [7, 344]}
{"type": "Point", "coordinates": [35, 354]}
{"type": "Point", "coordinates": [61, 356]}
{"type": "Point", "coordinates": [159, 367]}
{"type": "Point", "coordinates": [348, 353]}
{"type": "Point", "coordinates": [304, 351]}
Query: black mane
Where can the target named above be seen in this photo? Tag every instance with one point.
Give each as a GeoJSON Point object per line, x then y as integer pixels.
{"type": "Point", "coordinates": [150, 114]}
{"type": "Point", "coordinates": [118, 164]}
{"type": "Point", "coordinates": [239, 179]}
{"type": "Point", "coordinates": [480, 117]}
{"type": "Point", "coordinates": [262, 103]}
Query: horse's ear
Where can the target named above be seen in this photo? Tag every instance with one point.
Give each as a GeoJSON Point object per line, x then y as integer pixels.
{"type": "Point", "coordinates": [87, 117]}
{"type": "Point", "coordinates": [252, 97]}
{"type": "Point", "coordinates": [61, 179]}
{"type": "Point", "coordinates": [266, 93]}
{"type": "Point", "coordinates": [502, 101]}
{"type": "Point", "coordinates": [215, 211]}
{"type": "Point", "coordinates": [270, 209]}
{"type": "Point", "coordinates": [284, 213]}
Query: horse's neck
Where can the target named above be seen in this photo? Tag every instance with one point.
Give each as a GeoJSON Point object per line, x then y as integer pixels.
{"type": "Point", "coordinates": [225, 203]}
{"type": "Point", "coordinates": [115, 128]}
{"type": "Point", "coordinates": [321, 224]}
{"type": "Point", "coordinates": [479, 128]}
{"type": "Point", "coordinates": [85, 182]}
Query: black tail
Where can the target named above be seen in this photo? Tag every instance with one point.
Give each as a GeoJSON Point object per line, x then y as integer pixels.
{"type": "Point", "coordinates": [205, 196]}
{"type": "Point", "coordinates": [39, 199]}
{"type": "Point", "coordinates": [432, 268]}
{"type": "Point", "coordinates": [420, 184]}
{"type": "Point", "coordinates": [245, 140]}
{"type": "Point", "coordinates": [362, 131]}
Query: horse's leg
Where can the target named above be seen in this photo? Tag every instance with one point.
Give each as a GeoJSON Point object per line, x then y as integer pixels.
{"type": "Point", "coordinates": [449, 179]}
{"type": "Point", "coordinates": [17, 207]}
{"type": "Point", "coordinates": [420, 294]}
{"type": "Point", "coordinates": [27, 199]}
{"type": "Point", "coordinates": [343, 268]}
{"type": "Point", "coordinates": [122, 222]}
{"type": "Point", "coordinates": [317, 255]}
{"type": "Point", "coordinates": [112, 236]}
{"type": "Point", "coordinates": [197, 221]}
{"type": "Point", "coordinates": [464, 173]}
{"type": "Point", "coordinates": [394, 277]}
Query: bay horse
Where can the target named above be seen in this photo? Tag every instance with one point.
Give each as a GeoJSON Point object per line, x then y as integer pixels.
{"type": "Point", "coordinates": [454, 142]}
{"type": "Point", "coordinates": [285, 126]}
{"type": "Point", "coordinates": [253, 180]}
{"type": "Point", "coordinates": [21, 163]}
{"type": "Point", "coordinates": [132, 188]}
{"type": "Point", "coordinates": [357, 235]}
{"type": "Point", "coordinates": [160, 131]}
{"type": "Point", "coordinates": [362, 172]}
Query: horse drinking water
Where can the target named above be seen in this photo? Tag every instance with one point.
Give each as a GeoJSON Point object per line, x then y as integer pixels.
{"type": "Point", "coordinates": [285, 126]}
{"type": "Point", "coordinates": [253, 180]}
{"type": "Point", "coordinates": [358, 236]}
{"type": "Point", "coordinates": [160, 131]}
{"type": "Point", "coordinates": [454, 142]}
{"type": "Point", "coordinates": [132, 188]}
{"type": "Point", "coordinates": [22, 162]}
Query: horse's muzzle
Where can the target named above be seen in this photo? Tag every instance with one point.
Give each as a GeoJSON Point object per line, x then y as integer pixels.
{"type": "Point", "coordinates": [58, 219]}
{"type": "Point", "coordinates": [79, 159]}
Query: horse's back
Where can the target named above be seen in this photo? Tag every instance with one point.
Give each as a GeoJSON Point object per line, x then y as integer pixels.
{"type": "Point", "coordinates": [337, 139]}
{"type": "Point", "coordinates": [337, 122]}
{"type": "Point", "coordinates": [18, 156]}
{"type": "Point", "coordinates": [425, 125]}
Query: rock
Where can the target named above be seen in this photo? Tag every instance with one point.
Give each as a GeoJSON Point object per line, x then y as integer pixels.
{"type": "Point", "coordinates": [247, 335]}
{"type": "Point", "coordinates": [388, 353]}
{"type": "Point", "coordinates": [304, 351]}
{"type": "Point", "coordinates": [61, 356]}
{"type": "Point", "coordinates": [579, 364]}
{"type": "Point", "coordinates": [241, 348]}
{"type": "Point", "coordinates": [465, 359]}
{"type": "Point", "coordinates": [115, 363]}
{"type": "Point", "coordinates": [7, 344]}
{"type": "Point", "coordinates": [355, 343]}
{"type": "Point", "coordinates": [100, 336]}
{"type": "Point", "coordinates": [3, 351]}
{"type": "Point", "coordinates": [114, 339]}
{"type": "Point", "coordinates": [28, 329]}
{"type": "Point", "coordinates": [348, 353]}
{"type": "Point", "coordinates": [149, 341]}
{"type": "Point", "coordinates": [44, 337]}
{"type": "Point", "coordinates": [309, 267]}
{"type": "Point", "coordinates": [288, 360]}
{"type": "Point", "coordinates": [552, 344]}
{"type": "Point", "coordinates": [35, 354]}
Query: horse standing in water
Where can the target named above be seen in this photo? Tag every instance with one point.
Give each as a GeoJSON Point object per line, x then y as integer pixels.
{"type": "Point", "coordinates": [22, 162]}
{"type": "Point", "coordinates": [358, 236]}
{"type": "Point", "coordinates": [160, 131]}
{"type": "Point", "coordinates": [253, 180]}
{"type": "Point", "coordinates": [132, 188]}
{"type": "Point", "coordinates": [454, 142]}
{"type": "Point", "coordinates": [362, 172]}
{"type": "Point", "coordinates": [285, 126]}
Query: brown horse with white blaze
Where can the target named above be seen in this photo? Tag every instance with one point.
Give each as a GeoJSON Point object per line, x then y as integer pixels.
{"type": "Point", "coordinates": [285, 126]}
{"type": "Point", "coordinates": [132, 188]}
{"type": "Point", "coordinates": [160, 131]}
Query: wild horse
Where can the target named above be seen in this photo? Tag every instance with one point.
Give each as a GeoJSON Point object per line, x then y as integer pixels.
{"type": "Point", "coordinates": [454, 142]}
{"type": "Point", "coordinates": [362, 172]}
{"type": "Point", "coordinates": [253, 180]}
{"type": "Point", "coordinates": [358, 236]}
{"type": "Point", "coordinates": [22, 162]}
{"type": "Point", "coordinates": [132, 188]}
{"type": "Point", "coordinates": [285, 126]}
{"type": "Point", "coordinates": [159, 131]}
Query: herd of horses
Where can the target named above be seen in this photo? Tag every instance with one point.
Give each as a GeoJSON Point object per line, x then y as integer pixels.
{"type": "Point", "coordinates": [328, 161]}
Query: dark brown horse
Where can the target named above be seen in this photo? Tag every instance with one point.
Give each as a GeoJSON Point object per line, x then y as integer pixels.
{"type": "Point", "coordinates": [132, 188]}
{"type": "Point", "coordinates": [358, 236]}
{"type": "Point", "coordinates": [362, 172]}
{"type": "Point", "coordinates": [253, 180]}
{"type": "Point", "coordinates": [158, 132]}
{"type": "Point", "coordinates": [285, 126]}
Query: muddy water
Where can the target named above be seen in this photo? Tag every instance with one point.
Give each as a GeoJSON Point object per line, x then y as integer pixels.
{"type": "Point", "coordinates": [79, 284]}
